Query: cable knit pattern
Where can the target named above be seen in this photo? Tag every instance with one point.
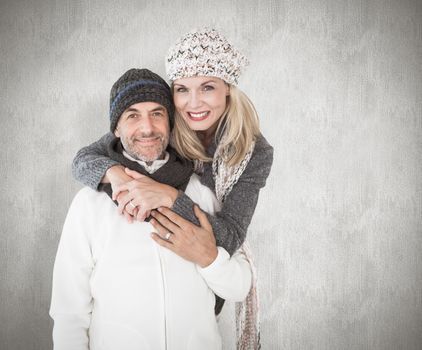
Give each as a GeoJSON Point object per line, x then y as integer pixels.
{"type": "Point", "coordinates": [205, 52]}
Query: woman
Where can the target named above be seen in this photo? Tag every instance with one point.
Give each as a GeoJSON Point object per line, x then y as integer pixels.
{"type": "Point", "coordinates": [216, 126]}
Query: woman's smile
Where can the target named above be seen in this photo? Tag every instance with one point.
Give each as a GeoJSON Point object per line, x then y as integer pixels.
{"type": "Point", "coordinates": [198, 116]}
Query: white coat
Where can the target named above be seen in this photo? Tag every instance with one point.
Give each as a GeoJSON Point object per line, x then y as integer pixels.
{"type": "Point", "coordinates": [115, 288]}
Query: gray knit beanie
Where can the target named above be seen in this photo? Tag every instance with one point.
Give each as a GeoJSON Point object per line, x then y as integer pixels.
{"type": "Point", "coordinates": [139, 85]}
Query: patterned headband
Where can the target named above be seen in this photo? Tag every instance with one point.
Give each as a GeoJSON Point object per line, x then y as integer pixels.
{"type": "Point", "coordinates": [205, 53]}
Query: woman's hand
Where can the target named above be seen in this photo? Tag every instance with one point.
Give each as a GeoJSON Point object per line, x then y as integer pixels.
{"type": "Point", "coordinates": [191, 242]}
{"type": "Point", "coordinates": [143, 194]}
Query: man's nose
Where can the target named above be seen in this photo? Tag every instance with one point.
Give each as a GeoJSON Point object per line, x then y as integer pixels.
{"type": "Point", "coordinates": [146, 125]}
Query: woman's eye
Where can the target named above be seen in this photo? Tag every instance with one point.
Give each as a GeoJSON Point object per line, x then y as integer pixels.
{"type": "Point", "coordinates": [181, 89]}
{"type": "Point", "coordinates": [208, 88]}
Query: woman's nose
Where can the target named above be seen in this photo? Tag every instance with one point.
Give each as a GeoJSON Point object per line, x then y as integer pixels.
{"type": "Point", "coordinates": [195, 100]}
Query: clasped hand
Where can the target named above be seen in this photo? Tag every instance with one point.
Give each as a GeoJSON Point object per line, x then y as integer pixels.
{"type": "Point", "coordinates": [142, 194]}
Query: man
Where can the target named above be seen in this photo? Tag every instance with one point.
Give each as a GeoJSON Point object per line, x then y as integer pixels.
{"type": "Point", "coordinates": [114, 287]}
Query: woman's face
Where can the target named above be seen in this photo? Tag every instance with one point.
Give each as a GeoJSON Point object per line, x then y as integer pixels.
{"type": "Point", "coordinates": [201, 101]}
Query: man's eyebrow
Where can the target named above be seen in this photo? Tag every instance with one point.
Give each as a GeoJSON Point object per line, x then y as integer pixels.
{"type": "Point", "coordinates": [131, 110]}
{"type": "Point", "coordinates": [158, 109]}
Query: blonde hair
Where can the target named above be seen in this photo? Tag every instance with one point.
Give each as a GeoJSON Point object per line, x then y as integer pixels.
{"type": "Point", "coordinates": [238, 127]}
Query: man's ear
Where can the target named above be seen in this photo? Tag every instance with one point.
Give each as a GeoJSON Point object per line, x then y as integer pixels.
{"type": "Point", "coordinates": [116, 132]}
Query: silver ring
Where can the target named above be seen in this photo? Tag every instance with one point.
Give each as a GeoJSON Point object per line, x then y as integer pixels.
{"type": "Point", "coordinates": [167, 236]}
{"type": "Point", "coordinates": [132, 205]}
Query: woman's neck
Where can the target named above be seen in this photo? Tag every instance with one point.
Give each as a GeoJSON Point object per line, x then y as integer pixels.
{"type": "Point", "coordinates": [206, 137]}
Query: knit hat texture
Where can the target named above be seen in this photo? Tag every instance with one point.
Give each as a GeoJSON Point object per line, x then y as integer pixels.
{"type": "Point", "coordinates": [135, 86]}
{"type": "Point", "coordinates": [205, 52]}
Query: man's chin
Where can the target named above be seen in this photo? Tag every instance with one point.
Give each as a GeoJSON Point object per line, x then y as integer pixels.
{"type": "Point", "coordinates": [147, 156]}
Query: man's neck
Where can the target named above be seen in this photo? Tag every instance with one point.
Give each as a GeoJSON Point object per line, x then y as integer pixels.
{"type": "Point", "coordinates": [153, 166]}
{"type": "Point", "coordinates": [163, 156]}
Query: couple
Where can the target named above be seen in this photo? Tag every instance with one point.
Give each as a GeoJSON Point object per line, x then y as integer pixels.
{"type": "Point", "coordinates": [115, 286]}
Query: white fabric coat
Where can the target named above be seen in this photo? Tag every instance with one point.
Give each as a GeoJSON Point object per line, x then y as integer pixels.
{"type": "Point", "coordinates": [115, 288]}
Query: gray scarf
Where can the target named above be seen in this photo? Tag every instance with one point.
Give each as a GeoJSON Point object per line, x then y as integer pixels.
{"type": "Point", "coordinates": [176, 172]}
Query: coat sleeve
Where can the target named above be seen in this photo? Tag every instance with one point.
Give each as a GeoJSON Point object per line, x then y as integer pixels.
{"type": "Point", "coordinates": [71, 301]}
{"type": "Point", "coordinates": [91, 163]}
{"type": "Point", "coordinates": [228, 277]}
{"type": "Point", "coordinates": [230, 224]}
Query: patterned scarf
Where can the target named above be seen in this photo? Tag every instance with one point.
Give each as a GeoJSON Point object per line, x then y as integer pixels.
{"type": "Point", "coordinates": [247, 312]}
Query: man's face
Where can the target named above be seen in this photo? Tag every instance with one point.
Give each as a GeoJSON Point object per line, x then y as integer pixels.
{"type": "Point", "coordinates": [144, 131]}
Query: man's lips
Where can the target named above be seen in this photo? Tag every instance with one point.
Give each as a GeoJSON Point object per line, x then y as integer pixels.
{"type": "Point", "coordinates": [147, 140]}
{"type": "Point", "coordinates": [198, 116]}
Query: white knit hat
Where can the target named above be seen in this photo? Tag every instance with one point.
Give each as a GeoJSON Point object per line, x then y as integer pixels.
{"type": "Point", "coordinates": [204, 52]}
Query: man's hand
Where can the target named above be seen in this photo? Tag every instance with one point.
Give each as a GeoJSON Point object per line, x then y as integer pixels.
{"type": "Point", "coordinates": [143, 193]}
{"type": "Point", "coordinates": [191, 242]}
{"type": "Point", "coordinates": [117, 176]}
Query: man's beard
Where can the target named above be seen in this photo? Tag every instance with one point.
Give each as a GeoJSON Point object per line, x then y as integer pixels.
{"type": "Point", "coordinates": [145, 153]}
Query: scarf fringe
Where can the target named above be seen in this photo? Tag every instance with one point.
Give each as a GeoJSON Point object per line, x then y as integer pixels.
{"type": "Point", "coordinates": [247, 312]}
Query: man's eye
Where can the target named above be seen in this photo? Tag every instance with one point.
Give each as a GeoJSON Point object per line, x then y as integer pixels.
{"type": "Point", "coordinates": [131, 116]}
{"type": "Point", "coordinates": [157, 114]}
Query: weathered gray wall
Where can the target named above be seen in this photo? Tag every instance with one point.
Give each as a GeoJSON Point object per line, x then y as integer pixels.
{"type": "Point", "coordinates": [338, 85]}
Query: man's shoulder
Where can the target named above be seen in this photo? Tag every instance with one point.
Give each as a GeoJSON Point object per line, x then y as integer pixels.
{"type": "Point", "coordinates": [88, 197]}
{"type": "Point", "coordinates": [89, 206]}
{"type": "Point", "coordinates": [202, 195]}
{"type": "Point", "coordinates": [195, 185]}
{"type": "Point", "coordinates": [87, 193]}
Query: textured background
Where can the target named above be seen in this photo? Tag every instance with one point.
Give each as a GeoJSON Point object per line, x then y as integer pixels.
{"type": "Point", "coordinates": [338, 228]}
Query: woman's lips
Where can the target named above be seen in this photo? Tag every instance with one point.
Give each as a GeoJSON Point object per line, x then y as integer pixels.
{"type": "Point", "coordinates": [198, 116]}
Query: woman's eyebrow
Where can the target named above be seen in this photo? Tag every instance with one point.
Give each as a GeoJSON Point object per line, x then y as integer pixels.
{"type": "Point", "coordinates": [208, 81]}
